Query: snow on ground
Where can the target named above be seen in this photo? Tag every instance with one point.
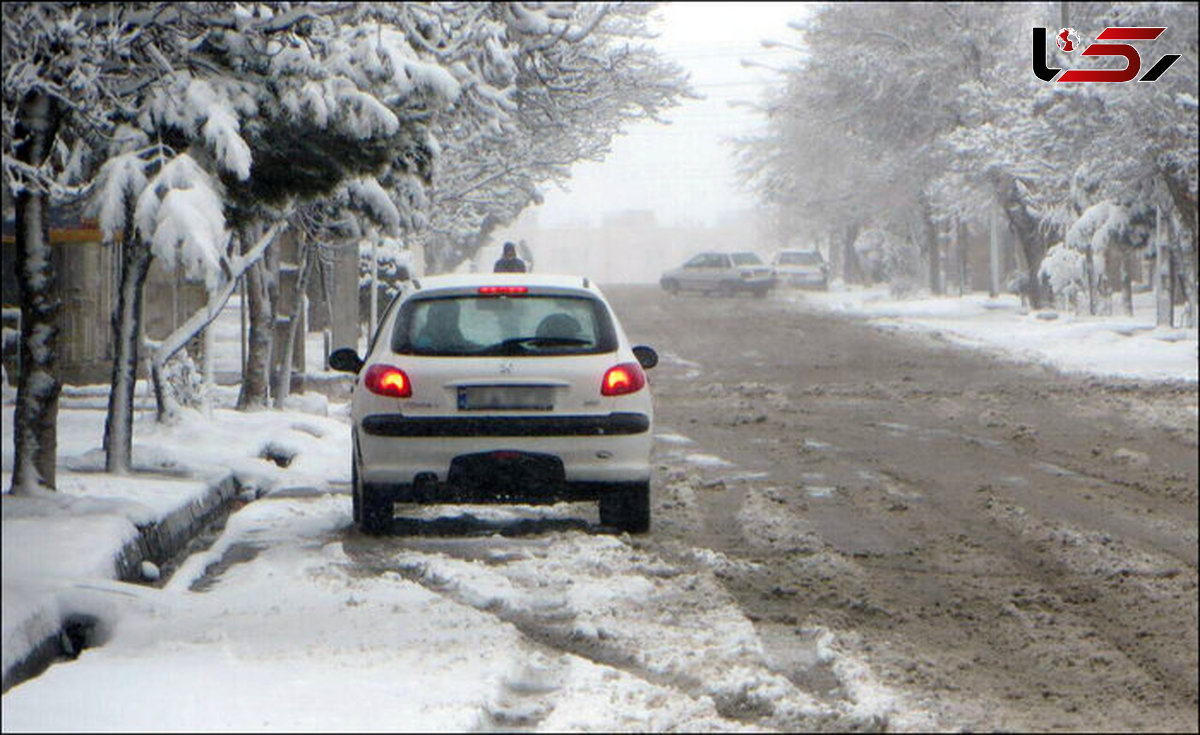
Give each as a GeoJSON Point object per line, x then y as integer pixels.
{"type": "Point", "coordinates": [340, 647]}
{"type": "Point", "coordinates": [55, 544]}
{"type": "Point", "coordinates": [1117, 346]}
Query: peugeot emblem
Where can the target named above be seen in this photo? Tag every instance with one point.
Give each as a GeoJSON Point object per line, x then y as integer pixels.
{"type": "Point", "coordinates": [506, 367]}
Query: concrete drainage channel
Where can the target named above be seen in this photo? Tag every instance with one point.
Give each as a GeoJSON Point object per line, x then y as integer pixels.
{"type": "Point", "coordinates": [158, 546]}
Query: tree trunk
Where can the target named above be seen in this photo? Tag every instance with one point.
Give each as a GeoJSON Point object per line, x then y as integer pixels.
{"type": "Point", "coordinates": [35, 435]}
{"type": "Point", "coordinates": [1128, 263]}
{"type": "Point", "coordinates": [1033, 244]}
{"type": "Point", "coordinates": [127, 322]}
{"type": "Point", "coordinates": [283, 379]}
{"type": "Point", "coordinates": [851, 269]}
{"type": "Point", "coordinates": [254, 383]}
{"type": "Point", "coordinates": [1089, 270]}
{"type": "Point", "coordinates": [933, 247]}
{"type": "Point", "coordinates": [1164, 297]}
{"type": "Point", "coordinates": [960, 255]}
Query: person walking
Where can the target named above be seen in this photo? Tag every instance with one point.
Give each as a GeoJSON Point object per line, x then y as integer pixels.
{"type": "Point", "coordinates": [509, 262]}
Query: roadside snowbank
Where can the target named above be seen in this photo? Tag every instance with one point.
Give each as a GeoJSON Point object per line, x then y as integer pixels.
{"type": "Point", "coordinates": [55, 544]}
{"type": "Point", "coordinates": [1117, 346]}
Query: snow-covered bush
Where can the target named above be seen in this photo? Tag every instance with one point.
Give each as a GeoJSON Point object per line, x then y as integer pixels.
{"type": "Point", "coordinates": [1064, 270]}
{"type": "Point", "coordinates": [183, 382]}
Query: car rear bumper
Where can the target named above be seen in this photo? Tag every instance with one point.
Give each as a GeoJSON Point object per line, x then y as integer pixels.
{"type": "Point", "coordinates": [399, 425]}
{"type": "Point", "coordinates": [398, 450]}
{"type": "Point", "coordinates": [753, 284]}
{"type": "Point", "coordinates": [802, 280]}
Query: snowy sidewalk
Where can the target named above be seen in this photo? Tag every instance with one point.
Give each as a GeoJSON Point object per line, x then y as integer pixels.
{"type": "Point", "coordinates": [62, 551]}
{"type": "Point", "coordinates": [1110, 346]}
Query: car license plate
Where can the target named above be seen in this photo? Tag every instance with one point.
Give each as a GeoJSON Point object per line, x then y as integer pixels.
{"type": "Point", "coordinates": [523, 397]}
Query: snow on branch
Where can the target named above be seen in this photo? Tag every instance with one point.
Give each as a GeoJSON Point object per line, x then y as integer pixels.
{"type": "Point", "coordinates": [367, 195]}
{"type": "Point", "coordinates": [182, 216]}
{"type": "Point", "coordinates": [217, 298]}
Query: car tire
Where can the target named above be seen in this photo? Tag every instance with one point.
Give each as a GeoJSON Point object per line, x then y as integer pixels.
{"type": "Point", "coordinates": [355, 492]}
{"type": "Point", "coordinates": [671, 287]}
{"type": "Point", "coordinates": [375, 510]}
{"type": "Point", "coordinates": [627, 507]}
{"type": "Point", "coordinates": [760, 293]}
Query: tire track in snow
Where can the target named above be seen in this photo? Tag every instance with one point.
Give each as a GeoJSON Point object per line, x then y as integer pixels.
{"type": "Point", "coordinates": [667, 624]}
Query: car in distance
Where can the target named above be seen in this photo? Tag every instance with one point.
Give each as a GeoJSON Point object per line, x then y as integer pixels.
{"type": "Point", "coordinates": [800, 268]}
{"type": "Point", "coordinates": [502, 387]}
{"type": "Point", "coordinates": [723, 273]}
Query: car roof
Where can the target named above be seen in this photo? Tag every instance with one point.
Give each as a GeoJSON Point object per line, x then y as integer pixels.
{"type": "Point", "coordinates": [472, 280]}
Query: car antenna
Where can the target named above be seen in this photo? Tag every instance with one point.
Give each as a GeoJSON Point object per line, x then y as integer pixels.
{"type": "Point", "coordinates": [585, 282]}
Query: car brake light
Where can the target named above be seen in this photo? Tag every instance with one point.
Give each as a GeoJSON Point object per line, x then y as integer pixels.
{"type": "Point", "coordinates": [386, 380]}
{"type": "Point", "coordinates": [502, 290]}
{"type": "Point", "coordinates": [621, 379]}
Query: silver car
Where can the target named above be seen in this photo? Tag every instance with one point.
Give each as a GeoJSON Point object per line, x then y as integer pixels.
{"type": "Point", "coordinates": [723, 273]}
{"type": "Point", "coordinates": [801, 268]}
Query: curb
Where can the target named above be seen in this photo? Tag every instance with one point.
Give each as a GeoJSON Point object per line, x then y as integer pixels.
{"type": "Point", "coordinates": [155, 542]}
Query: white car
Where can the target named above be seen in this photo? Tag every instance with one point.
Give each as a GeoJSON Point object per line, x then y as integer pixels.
{"type": "Point", "coordinates": [501, 387]}
{"type": "Point", "coordinates": [802, 268]}
{"type": "Point", "coordinates": [723, 273]}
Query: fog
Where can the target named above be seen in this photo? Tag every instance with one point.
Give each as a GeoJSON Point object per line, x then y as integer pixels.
{"type": "Point", "coordinates": [667, 191]}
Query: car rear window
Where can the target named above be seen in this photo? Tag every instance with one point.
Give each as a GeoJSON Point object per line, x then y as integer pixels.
{"type": "Point", "coordinates": [799, 259]}
{"type": "Point", "coordinates": [526, 325]}
{"type": "Point", "coordinates": [746, 259]}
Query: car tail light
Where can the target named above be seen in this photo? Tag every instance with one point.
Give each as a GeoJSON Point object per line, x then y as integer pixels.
{"type": "Point", "coordinates": [621, 379]}
{"type": "Point", "coordinates": [387, 380]}
{"type": "Point", "coordinates": [502, 290]}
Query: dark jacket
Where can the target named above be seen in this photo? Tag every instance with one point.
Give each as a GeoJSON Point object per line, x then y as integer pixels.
{"type": "Point", "coordinates": [509, 265]}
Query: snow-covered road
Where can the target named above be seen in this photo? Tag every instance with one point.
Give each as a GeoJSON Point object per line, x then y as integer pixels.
{"type": "Point", "coordinates": [465, 618]}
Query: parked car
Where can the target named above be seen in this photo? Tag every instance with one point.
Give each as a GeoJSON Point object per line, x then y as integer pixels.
{"type": "Point", "coordinates": [803, 268]}
{"type": "Point", "coordinates": [500, 387]}
{"type": "Point", "coordinates": [724, 273]}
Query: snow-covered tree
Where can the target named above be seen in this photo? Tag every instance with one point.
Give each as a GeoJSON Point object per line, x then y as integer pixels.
{"type": "Point", "coordinates": [65, 76]}
{"type": "Point", "coordinates": [556, 83]}
{"type": "Point", "coordinates": [939, 99]}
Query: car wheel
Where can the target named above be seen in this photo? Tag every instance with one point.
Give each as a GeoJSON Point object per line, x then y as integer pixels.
{"type": "Point", "coordinates": [672, 288]}
{"type": "Point", "coordinates": [375, 513]}
{"type": "Point", "coordinates": [627, 507]}
{"type": "Point", "coordinates": [760, 293]}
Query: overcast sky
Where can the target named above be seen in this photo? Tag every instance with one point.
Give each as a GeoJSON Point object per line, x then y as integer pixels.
{"type": "Point", "coordinates": [683, 171]}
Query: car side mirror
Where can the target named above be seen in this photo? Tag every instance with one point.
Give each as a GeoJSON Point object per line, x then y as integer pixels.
{"type": "Point", "coordinates": [646, 356]}
{"type": "Point", "coordinates": [345, 360]}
